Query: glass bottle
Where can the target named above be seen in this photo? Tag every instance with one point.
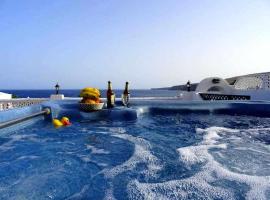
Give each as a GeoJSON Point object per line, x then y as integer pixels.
{"type": "Point", "coordinates": [126, 95]}
{"type": "Point", "coordinates": [110, 96]}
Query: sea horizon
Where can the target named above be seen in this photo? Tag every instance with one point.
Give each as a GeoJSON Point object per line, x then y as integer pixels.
{"type": "Point", "coordinates": [45, 93]}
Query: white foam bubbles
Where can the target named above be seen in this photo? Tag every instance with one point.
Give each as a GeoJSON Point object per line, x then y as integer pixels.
{"type": "Point", "coordinates": [95, 150]}
{"type": "Point", "coordinates": [192, 155]}
{"type": "Point", "coordinates": [190, 188]}
{"type": "Point", "coordinates": [200, 153]}
{"type": "Point", "coordinates": [142, 154]}
{"type": "Point", "coordinates": [202, 185]}
{"type": "Point", "coordinates": [109, 193]}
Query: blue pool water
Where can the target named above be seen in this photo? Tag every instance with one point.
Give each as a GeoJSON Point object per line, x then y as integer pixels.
{"type": "Point", "coordinates": [158, 156]}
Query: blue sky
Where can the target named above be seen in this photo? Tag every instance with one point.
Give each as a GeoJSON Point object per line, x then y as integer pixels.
{"type": "Point", "coordinates": [150, 43]}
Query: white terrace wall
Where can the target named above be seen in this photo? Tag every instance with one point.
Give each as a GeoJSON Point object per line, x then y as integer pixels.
{"type": "Point", "coordinates": [215, 85]}
{"type": "Point", "coordinates": [19, 103]}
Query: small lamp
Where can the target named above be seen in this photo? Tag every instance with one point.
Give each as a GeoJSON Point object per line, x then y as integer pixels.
{"type": "Point", "coordinates": [57, 87]}
{"type": "Point", "coordinates": [188, 86]}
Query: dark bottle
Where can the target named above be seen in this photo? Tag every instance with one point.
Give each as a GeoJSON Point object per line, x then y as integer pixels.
{"type": "Point", "coordinates": [110, 96]}
{"type": "Point", "coordinates": [125, 95]}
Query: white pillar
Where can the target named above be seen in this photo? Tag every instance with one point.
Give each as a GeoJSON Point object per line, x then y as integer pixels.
{"type": "Point", "coordinates": [57, 97]}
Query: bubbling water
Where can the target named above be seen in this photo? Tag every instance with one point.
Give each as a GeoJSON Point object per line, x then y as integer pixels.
{"type": "Point", "coordinates": [202, 184]}
{"type": "Point", "coordinates": [157, 157]}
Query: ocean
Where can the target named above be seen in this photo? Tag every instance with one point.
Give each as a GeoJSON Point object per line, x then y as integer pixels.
{"type": "Point", "coordinates": [76, 92]}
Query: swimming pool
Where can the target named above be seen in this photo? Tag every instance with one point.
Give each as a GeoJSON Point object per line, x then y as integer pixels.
{"type": "Point", "coordinates": [160, 155]}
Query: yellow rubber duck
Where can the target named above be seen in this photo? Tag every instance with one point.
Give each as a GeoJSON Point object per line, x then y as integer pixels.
{"type": "Point", "coordinates": [57, 123]}
{"type": "Point", "coordinates": [65, 121]}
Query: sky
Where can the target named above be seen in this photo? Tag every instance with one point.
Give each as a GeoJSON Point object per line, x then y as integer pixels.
{"type": "Point", "coordinates": [150, 43]}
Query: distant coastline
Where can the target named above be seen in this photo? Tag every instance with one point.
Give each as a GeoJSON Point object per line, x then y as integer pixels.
{"type": "Point", "coordinates": [231, 81]}
{"type": "Point", "coordinates": [178, 87]}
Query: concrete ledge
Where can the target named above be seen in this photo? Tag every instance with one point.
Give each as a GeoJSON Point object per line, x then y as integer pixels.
{"type": "Point", "coordinates": [57, 97]}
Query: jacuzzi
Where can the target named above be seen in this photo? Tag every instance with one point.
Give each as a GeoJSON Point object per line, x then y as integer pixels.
{"type": "Point", "coordinates": [154, 149]}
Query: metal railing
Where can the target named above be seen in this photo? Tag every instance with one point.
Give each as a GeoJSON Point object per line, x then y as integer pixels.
{"type": "Point", "coordinates": [19, 103]}
{"type": "Point", "coordinates": [46, 111]}
{"type": "Point", "coordinates": [209, 96]}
